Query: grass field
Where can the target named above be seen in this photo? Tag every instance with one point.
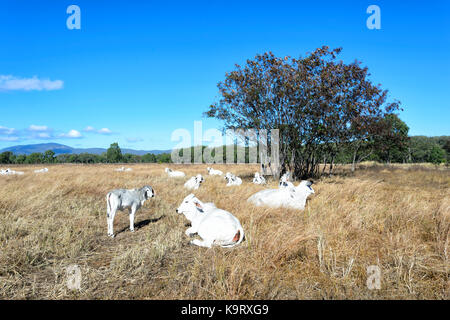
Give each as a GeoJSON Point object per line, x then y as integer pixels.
{"type": "Point", "coordinates": [395, 218]}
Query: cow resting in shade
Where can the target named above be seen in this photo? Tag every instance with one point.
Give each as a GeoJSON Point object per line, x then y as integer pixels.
{"type": "Point", "coordinates": [287, 197]}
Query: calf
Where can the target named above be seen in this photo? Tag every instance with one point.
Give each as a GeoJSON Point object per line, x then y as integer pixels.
{"type": "Point", "coordinates": [121, 199]}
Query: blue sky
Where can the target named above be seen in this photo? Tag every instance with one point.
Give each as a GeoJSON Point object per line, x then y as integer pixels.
{"type": "Point", "coordinates": [138, 70]}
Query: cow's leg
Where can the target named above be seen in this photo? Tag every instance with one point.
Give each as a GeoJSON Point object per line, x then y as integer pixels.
{"type": "Point", "coordinates": [203, 243]}
{"type": "Point", "coordinates": [111, 222]}
{"type": "Point", "coordinates": [132, 214]}
{"type": "Point", "coordinates": [190, 231]}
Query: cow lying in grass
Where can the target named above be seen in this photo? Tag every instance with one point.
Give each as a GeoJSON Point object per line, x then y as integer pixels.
{"type": "Point", "coordinates": [288, 197]}
{"type": "Point", "coordinates": [214, 172]}
{"type": "Point", "coordinates": [9, 172]}
{"type": "Point", "coordinates": [259, 179]}
{"type": "Point", "coordinates": [284, 181]}
{"type": "Point", "coordinates": [232, 180]}
{"type": "Point", "coordinates": [194, 182]}
{"type": "Point", "coordinates": [215, 226]}
{"type": "Point", "coordinates": [174, 174]}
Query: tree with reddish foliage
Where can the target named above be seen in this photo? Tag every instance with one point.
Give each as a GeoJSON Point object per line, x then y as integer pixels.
{"type": "Point", "coordinates": [317, 103]}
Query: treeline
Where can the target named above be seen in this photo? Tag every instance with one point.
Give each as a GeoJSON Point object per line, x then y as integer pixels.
{"type": "Point", "coordinates": [113, 155]}
{"type": "Point", "coordinates": [417, 149]}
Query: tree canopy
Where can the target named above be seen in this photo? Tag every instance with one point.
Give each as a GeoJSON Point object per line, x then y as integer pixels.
{"type": "Point", "coordinates": [318, 104]}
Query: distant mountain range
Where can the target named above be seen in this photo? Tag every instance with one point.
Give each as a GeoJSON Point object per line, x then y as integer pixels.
{"type": "Point", "coordinates": [61, 149]}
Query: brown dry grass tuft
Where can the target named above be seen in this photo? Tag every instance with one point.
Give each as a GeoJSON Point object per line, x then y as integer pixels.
{"type": "Point", "coordinates": [395, 217]}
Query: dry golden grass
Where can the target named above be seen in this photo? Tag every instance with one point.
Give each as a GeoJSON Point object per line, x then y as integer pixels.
{"type": "Point", "coordinates": [395, 218]}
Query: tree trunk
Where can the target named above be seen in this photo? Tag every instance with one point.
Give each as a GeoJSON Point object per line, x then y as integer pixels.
{"type": "Point", "coordinates": [331, 165]}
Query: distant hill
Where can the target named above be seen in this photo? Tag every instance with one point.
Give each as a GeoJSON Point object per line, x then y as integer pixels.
{"type": "Point", "coordinates": [63, 149]}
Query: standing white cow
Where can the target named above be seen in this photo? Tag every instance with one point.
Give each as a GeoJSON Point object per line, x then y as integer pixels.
{"type": "Point", "coordinates": [121, 199]}
{"type": "Point", "coordinates": [194, 182]}
{"type": "Point", "coordinates": [259, 179]}
{"type": "Point", "coordinates": [175, 174]}
{"type": "Point", "coordinates": [289, 197]}
{"type": "Point", "coordinates": [215, 226]}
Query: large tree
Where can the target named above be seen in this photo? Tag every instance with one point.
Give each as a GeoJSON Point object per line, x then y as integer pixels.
{"type": "Point", "coordinates": [317, 103]}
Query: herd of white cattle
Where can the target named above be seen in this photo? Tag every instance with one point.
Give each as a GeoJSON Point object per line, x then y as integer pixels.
{"type": "Point", "coordinates": [215, 226]}
{"type": "Point", "coordinates": [9, 172]}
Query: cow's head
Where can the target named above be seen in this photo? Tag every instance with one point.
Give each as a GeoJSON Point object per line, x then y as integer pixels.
{"type": "Point", "coordinates": [229, 176]}
{"type": "Point", "coordinates": [199, 178]}
{"type": "Point", "coordinates": [148, 192]}
{"type": "Point", "coordinates": [190, 207]}
{"type": "Point", "coordinates": [305, 187]}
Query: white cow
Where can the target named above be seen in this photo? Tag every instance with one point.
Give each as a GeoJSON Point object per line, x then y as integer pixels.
{"type": "Point", "coordinates": [213, 172]}
{"type": "Point", "coordinates": [121, 199]}
{"type": "Point", "coordinates": [175, 174]}
{"type": "Point", "coordinates": [259, 179]}
{"type": "Point", "coordinates": [194, 182]}
{"type": "Point", "coordinates": [284, 181]}
{"type": "Point", "coordinates": [232, 180]}
{"type": "Point", "coordinates": [9, 172]}
{"type": "Point", "coordinates": [122, 169]}
{"type": "Point", "coordinates": [44, 170]}
{"type": "Point", "coordinates": [294, 197]}
{"type": "Point", "coordinates": [215, 226]}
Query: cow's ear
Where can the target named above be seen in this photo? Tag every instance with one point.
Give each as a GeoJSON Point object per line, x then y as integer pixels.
{"type": "Point", "coordinates": [198, 205]}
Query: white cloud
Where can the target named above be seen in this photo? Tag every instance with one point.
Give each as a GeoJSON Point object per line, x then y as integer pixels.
{"type": "Point", "coordinates": [43, 135]}
{"type": "Point", "coordinates": [36, 132]}
{"type": "Point", "coordinates": [6, 131]}
{"type": "Point", "coordinates": [72, 134]}
{"type": "Point", "coordinates": [38, 128]}
{"type": "Point", "coordinates": [104, 131]}
{"type": "Point", "coordinates": [134, 140]}
{"type": "Point", "coordinates": [101, 131]}
{"type": "Point", "coordinates": [12, 83]}
{"type": "Point", "coordinates": [9, 138]}
{"type": "Point", "coordinates": [89, 129]}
